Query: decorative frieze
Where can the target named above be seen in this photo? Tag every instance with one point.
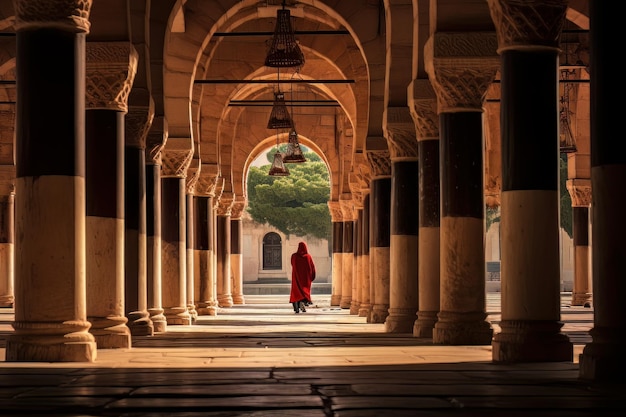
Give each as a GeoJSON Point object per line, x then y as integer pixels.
{"type": "Point", "coordinates": [111, 69]}
{"type": "Point", "coordinates": [399, 131]}
{"type": "Point", "coordinates": [580, 192]}
{"type": "Point", "coordinates": [70, 15]}
{"type": "Point", "coordinates": [461, 67]}
{"type": "Point", "coordinates": [528, 23]}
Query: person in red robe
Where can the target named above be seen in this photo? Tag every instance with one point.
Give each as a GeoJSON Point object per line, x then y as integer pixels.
{"type": "Point", "coordinates": [302, 276]}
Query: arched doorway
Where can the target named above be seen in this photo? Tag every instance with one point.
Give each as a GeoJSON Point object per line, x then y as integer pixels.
{"type": "Point", "coordinates": [272, 252]}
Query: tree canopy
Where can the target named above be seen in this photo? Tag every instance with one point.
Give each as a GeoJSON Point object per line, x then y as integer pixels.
{"type": "Point", "coordinates": [296, 204]}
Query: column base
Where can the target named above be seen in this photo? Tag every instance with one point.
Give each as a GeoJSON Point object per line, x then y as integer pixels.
{"type": "Point", "coordinates": [425, 323]}
{"type": "Point", "coordinates": [379, 314]}
{"type": "Point", "coordinates": [531, 341]}
{"type": "Point", "coordinates": [335, 300]}
{"type": "Point", "coordinates": [354, 307]}
{"type": "Point", "coordinates": [66, 344]}
{"type": "Point", "coordinates": [110, 332]}
{"type": "Point", "coordinates": [177, 316]}
{"type": "Point", "coordinates": [238, 299]}
{"type": "Point", "coordinates": [207, 308]}
{"type": "Point", "coordinates": [581, 299]}
{"type": "Point", "coordinates": [159, 322]}
{"type": "Point", "coordinates": [365, 310]}
{"type": "Point", "coordinates": [140, 324]}
{"type": "Point", "coordinates": [400, 320]}
{"type": "Point", "coordinates": [225, 300]}
{"type": "Point", "coordinates": [6, 301]}
{"type": "Point", "coordinates": [193, 313]}
{"type": "Point", "coordinates": [345, 302]}
{"type": "Point", "coordinates": [603, 359]}
{"type": "Point", "coordinates": [462, 329]}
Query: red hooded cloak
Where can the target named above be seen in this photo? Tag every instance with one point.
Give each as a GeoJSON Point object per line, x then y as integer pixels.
{"type": "Point", "coordinates": [302, 274]}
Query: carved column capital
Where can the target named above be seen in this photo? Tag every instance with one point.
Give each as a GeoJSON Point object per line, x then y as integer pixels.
{"type": "Point", "coordinates": [225, 204]}
{"type": "Point", "coordinates": [176, 157]}
{"type": "Point", "coordinates": [156, 139]}
{"type": "Point", "coordinates": [137, 124]}
{"type": "Point", "coordinates": [348, 210]}
{"type": "Point", "coordinates": [423, 109]}
{"type": "Point", "coordinates": [399, 131]}
{"type": "Point", "coordinates": [531, 23]}
{"type": "Point", "coordinates": [461, 67]}
{"type": "Point", "coordinates": [335, 211]}
{"type": "Point", "coordinates": [237, 208]}
{"type": "Point", "coordinates": [111, 69]}
{"type": "Point", "coordinates": [207, 180]}
{"type": "Point", "coordinates": [193, 173]}
{"type": "Point", "coordinates": [380, 163]}
{"type": "Point", "coordinates": [580, 192]}
{"type": "Point", "coordinates": [70, 15]}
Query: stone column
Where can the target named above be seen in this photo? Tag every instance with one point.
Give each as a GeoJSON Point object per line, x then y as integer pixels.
{"type": "Point", "coordinates": [204, 280]}
{"type": "Point", "coordinates": [50, 295]}
{"type": "Point", "coordinates": [380, 207]}
{"type": "Point", "coordinates": [357, 255]}
{"type": "Point", "coordinates": [580, 192]}
{"type": "Point", "coordinates": [7, 208]}
{"type": "Point", "coordinates": [138, 120]}
{"type": "Point", "coordinates": [461, 67]}
{"type": "Point", "coordinates": [176, 159]}
{"type": "Point", "coordinates": [337, 262]}
{"type": "Point", "coordinates": [224, 207]}
{"type": "Point", "coordinates": [236, 254]}
{"type": "Point", "coordinates": [347, 258]}
{"type": "Point", "coordinates": [528, 36]}
{"type": "Point", "coordinates": [193, 173]}
{"type": "Point", "coordinates": [111, 67]}
{"type": "Point", "coordinates": [424, 111]}
{"type": "Point", "coordinates": [365, 307]}
{"type": "Point", "coordinates": [403, 246]}
{"type": "Point", "coordinates": [603, 359]}
{"type": "Point", "coordinates": [155, 141]}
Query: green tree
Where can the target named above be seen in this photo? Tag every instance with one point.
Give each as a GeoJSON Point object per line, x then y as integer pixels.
{"type": "Point", "coordinates": [295, 204]}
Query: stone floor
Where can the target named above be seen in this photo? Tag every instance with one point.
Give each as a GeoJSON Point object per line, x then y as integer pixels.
{"type": "Point", "coordinates": [262, 360]}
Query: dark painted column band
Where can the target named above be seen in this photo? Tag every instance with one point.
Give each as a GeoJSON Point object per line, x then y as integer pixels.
{"type": "Point", "coordinates": [428, 151]}
{"type": "Point", "coordinates": [104, 175]}
{"type": "Point", "coordinates": [380, 206]}
{"type": "Point", "coordinates": [170, 211]}
{"type": "Point", "coordinates": [7, 219]}
{"type": "Point", "coordinates": [366, 225]}
{"type": "Point", "coordinates": [348, 237]}
{"type": "Point", "coordinates": [529, 145]}
{"type": "Point", "coordinates": [461, 164]}
{"type": "Point", "coordinates": [201, 222]}
{"type": "Point", "coordinates": [404, 198]}
{"type": "Point", "coordinates": [153, 199]}
{"type": "Point", "coordinates": [357, 250]}
{"type": "Point", "coordinates": [134, 172]}
{"type": "Point", "coordinates": [581, 226]}
{"type": "Point", "coordinates": [51, 60]}
{"type": "Point", "coordinates": [337, 237]}
{"type": "Point", "coordinates": [235, 236]}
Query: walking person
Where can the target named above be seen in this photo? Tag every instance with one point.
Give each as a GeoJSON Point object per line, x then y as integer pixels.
{"type": "Point", "coordinates": [302, 276]}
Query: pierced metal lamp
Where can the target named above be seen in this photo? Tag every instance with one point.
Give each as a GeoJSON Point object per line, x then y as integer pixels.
{"type": "Point", "coordinates": [284, 50]}
{"type": "Point", "coordinates": [278, 168]}
{"type": "Point", "coordinates": [294, 153]}
{"type": "Point", "coordinates": [279, 117]}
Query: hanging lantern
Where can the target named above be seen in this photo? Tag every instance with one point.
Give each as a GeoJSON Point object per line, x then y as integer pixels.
{"type": "Point", "coordinates": [294, 153]}
{"type": "Point", "coordinates": [278, 168]}
{"type": "Point", "coordinates": [284, 50]}
{"type": "Point", "coordinates": [279, 117]}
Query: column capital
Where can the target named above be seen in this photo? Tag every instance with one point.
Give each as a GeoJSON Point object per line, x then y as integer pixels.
{"type": "Point", "coordinates": [423, 108]}
{"type": "Point", "coordinates": [110, 72]}
{"type": "Point", "coordinates": [208, 180]}
{"type": "Point", "coordinates": [193, 173]}
{"type": "Point", "coordinates": [225, 204]}
{"type": "Point", "coordinates": [528, 24]}
{"type": "Point", "coordinates": [335, 211]}
{"type": "Point", "coordinates": [70, 15]}
{"type": "Point", "coordinates": [461, 67]}
{"type": "Point", "coordinates": [580, 192]}
{"type": "Point", "coordinates": [346, 202]}
{"type": "Point", "coordinates": [137, 124]}
{"type": "Point", "coordinates": [176, 157]}
{"type": "Point", "coordinates": [399, 129]}
{"type": "Point", "coordinates": [237, 208]}
{"type": "Point", "coordinates": [380, 163]}
{"type": "Point", "coordinates": [156, 139]}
